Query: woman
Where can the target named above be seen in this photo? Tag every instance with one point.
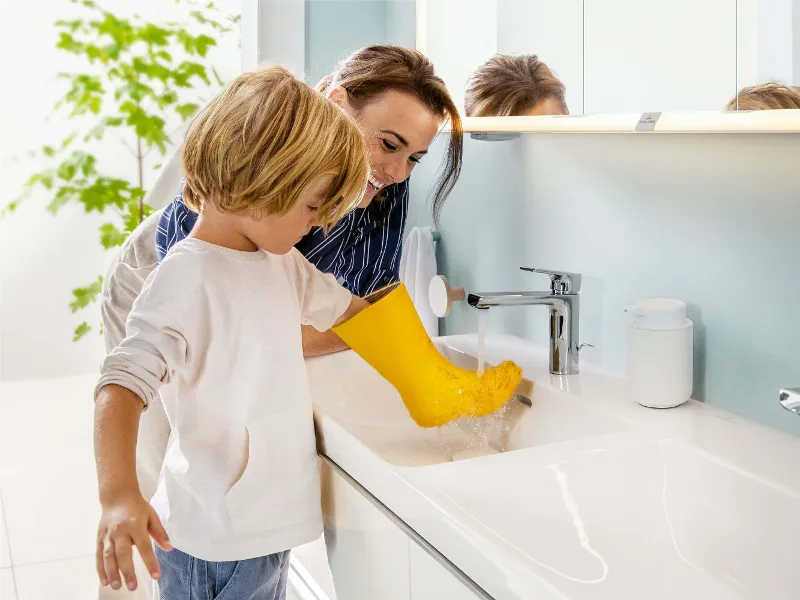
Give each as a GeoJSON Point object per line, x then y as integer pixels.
{"type": "Point", "coordinates": [518, 85]}
{"type": "Point", "coordinates": [400, 105]}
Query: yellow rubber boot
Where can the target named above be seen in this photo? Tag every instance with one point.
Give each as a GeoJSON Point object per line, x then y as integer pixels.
{"type": "Point", "coordinates": [389, 335]}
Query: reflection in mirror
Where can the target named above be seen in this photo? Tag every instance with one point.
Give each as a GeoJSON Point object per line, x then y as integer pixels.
{"type": "Point", "coordinates": [518, 85]}
{"type": "Point", "coordinates": [461, 35]}
{"type": "Point", "coordinates": [768, 55]}
{"type": "Point", "coordinates": [659, 55]}
{"type": "Point", "coordinates": [767, 96]}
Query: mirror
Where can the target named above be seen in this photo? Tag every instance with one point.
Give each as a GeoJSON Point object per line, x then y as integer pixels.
{"type": "Point", "coordinates": [612, 56]}
{"type": "Point", "coordinates": [769, 53]}
{"type": "Point", "coordinates": [461, 35]}
{"type": "Point", "coordinates": [659, 55]}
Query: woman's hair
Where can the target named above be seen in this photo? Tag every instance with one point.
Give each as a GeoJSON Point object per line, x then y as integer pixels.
{"type": "Point", "coordinates": [264, 140]}
{"type": "Point", "coordinates": [373, 70]}
{"type": "Point", "coordinates": [510, 86]}
{"type": "Point", "coordinates": [767, 96]}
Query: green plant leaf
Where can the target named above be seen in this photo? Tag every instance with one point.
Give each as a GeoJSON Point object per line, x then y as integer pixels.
{"type": "Point", "coordinates": [68, 140]}
{"type": "Point", "coordinates": [166, 99]}
{"type": "Point", "coordinates": [85, 95]}
{"type": "Point", "coordinates": [183, 74]}
{"type": "Point", "coordinates": [104, 193]}
{"type": "Point", "coordinates": [217, 77]}
{"type": "Point", "coordinates": [84, 296]}
{"type": "Point", "coordinates": [67, 42]}
{"type": "Point", "coordinates": [186, 110]}
{"type": "Point", "coordinates": [73, 26]}
{"type": "Point", "coordinates": [132, 215]}
{"type": "Point", "coordinates": [81, 330]}
{"type": "Point", "coordinates": [111, 236]}
{"type": "Point", "coordinates": [202, 43]}
{"type": "Point", "coordinates": [134, 90]}
{"type": "Point", "coordinates": [154, 35]}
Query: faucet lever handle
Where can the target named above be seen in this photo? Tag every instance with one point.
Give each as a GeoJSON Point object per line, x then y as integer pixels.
{"type": "Point", "coordinates": [561, 282]}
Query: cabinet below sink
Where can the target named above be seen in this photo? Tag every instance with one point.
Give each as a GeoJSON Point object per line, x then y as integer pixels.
{"type": "Point", "coordinates": [372, 556]}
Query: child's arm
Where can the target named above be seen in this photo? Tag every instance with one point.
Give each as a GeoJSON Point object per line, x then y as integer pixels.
{"type": "Point", "coordinates": [318, 343]}
{"type": "Point", "coordinates": [356, 306]}
{"type": "Point", "coordinates": [155, 350]}
{"type": "Point", "coordinates": [127, 518]}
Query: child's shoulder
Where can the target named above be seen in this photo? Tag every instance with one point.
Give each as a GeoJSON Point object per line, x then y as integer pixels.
{"type": "Point", "coordinates": [185, 261]}
{"type": "Point", "coordinates": [183, 272]}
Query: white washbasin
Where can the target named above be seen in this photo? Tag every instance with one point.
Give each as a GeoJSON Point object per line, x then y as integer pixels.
{"type": "Point", "coordinates": [592, 497]}
{"type": "Point", "coordinates": [344, 387]}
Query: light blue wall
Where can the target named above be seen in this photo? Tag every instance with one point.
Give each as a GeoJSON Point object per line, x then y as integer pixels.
{"type": "Point", "coordinates": [335, 28]}
{"type": "Point", "coordinates": [710, 219]}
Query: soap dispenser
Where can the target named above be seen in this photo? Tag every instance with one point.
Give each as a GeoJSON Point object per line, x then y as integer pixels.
{"type": "Point", "coordinates": [660, 353]}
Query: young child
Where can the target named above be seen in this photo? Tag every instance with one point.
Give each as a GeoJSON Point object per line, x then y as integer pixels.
{"type": "Point", "coordinates": [216, 330]}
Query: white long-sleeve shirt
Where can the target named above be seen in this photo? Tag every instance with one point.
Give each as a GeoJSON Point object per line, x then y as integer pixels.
{"type": "Point", "coordinates": [219, 329]}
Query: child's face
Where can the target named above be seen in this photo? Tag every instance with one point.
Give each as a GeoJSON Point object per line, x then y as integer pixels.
{"type": "Point", "coordinates": [279, 234]}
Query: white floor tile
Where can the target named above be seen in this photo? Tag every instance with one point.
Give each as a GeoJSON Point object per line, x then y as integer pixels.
{"type": "Point", "coordinates": [53, 516]}
{"type": "Point", "coordinates": [5, 549]}
{"type": "Point", "coordinates": [68, 579]}
{"type": "Point", "coordinates": [7, 591]}
{"type": "Point", "coordinates": [45, 425]}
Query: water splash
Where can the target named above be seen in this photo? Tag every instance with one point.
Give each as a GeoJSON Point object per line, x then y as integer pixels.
{"type": "Point", "coordinates": [483, 317]}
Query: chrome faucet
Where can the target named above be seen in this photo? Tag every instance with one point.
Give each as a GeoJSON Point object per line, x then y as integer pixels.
{"type": "Point", "coordinates": [564, 303]}
{"type": "Point", "coordinates": [790, 399]}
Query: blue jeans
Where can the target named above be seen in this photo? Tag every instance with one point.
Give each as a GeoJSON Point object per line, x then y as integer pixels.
{"type": "Point", "coordinates": [184, 577]}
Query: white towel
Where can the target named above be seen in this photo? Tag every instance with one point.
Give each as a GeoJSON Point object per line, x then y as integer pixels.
{"type": "Point", "coordinates": [417, 268]}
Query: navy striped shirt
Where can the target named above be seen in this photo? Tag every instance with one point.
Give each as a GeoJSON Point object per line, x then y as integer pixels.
{"type": "Point", "coordinates": [362, 250]}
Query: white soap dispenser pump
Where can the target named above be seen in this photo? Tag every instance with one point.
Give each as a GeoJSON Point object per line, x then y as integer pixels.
{"type": "Point", "coordinates": [660, 353]}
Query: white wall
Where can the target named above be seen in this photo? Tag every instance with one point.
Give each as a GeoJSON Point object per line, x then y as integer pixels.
{"type": "Point", "coordinates": [272, 32]}
{"type": "Point", "coordinates": [43, 257]}
{"type": "Point", "coordinates": [335, 28]}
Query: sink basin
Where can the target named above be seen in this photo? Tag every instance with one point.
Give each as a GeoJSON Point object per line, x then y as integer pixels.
{"type": "Point", "coordinates": [536, 415]}
{"type": "Point", "coordinates": [344, 387]}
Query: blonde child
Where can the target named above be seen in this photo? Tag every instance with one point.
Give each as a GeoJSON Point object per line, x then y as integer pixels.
{"type": "Point", "coordinates": [216, 331]}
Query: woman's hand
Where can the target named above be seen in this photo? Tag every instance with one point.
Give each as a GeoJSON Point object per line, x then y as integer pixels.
{"type": "Point", "coordinates": [128, 520]}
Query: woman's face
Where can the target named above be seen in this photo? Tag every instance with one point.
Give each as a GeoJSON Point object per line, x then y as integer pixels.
{"type": "Point", "coordinates": [398, 129]}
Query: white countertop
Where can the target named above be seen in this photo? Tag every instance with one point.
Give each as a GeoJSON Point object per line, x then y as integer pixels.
{"type": "Point", "coordinates": [687, 503]}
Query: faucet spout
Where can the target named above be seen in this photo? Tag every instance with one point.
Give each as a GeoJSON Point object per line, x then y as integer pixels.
{"type": "Point", "coordinates": [564, 303]}
{"type": "Point", "coordinates": [495, 299]}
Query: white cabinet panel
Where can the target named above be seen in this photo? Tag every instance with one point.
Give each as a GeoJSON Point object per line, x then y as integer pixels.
{"type": "Point", "coordinates": [431, 581]}
{"type": "Point", "coordinates": [368, 553]}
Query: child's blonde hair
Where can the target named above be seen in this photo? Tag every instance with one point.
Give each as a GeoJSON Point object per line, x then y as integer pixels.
{"type": "Point", "coordinates": [259, 145]}
{"type": "Point", "coordinates": [767, 96]}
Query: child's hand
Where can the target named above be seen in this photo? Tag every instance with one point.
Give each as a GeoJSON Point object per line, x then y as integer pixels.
{"type": "Point", "coordinates": [128, 521]}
